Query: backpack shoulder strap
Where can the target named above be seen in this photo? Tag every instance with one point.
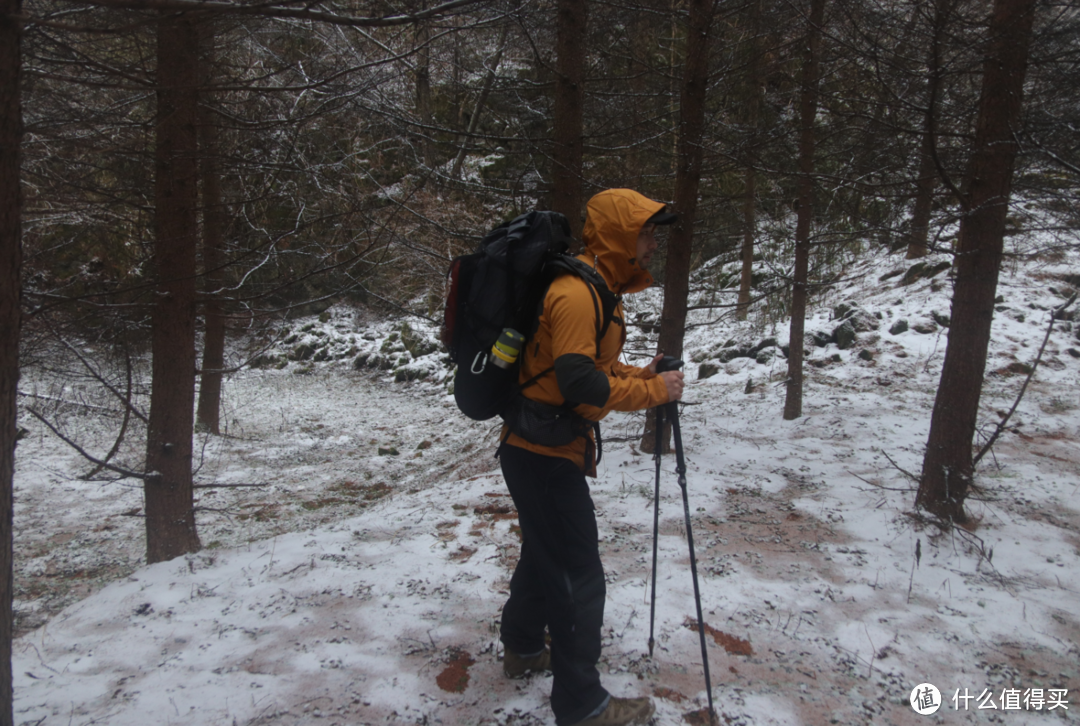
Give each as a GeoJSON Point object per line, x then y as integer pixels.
{"type": "Point", "coordinates": [604, 303]}
{"type": "Point", "coordinates": [604, 300]}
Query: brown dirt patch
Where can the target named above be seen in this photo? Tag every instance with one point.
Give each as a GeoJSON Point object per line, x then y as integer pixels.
{"type": "Point", "coordinates": [454, 678]}
{"type": "Point", "coordinates": [701, 718]}
{"type": "Point", "coordinates": [732, 644]}
{"type": "Point", "coordinates": [1016, 368]}
{"type": "Point", "coordinates": [764, 532]}
{"type": "Point", "coordinates": [668, 694]}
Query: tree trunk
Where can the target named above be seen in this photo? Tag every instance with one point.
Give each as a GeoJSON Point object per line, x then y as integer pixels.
{"type": "Point", "coordinates": [423, 91]}
{"type": "Point", "coordinates": [170, 518]}
{"type": "Point", "coordinates": [10, 265]}
{"type": "Point", "coordinates": [947, 466]}
{"type": "Point", "coordinates": [690, 154]}
{"type": "Point", "coordinates": [747, 253]}
{"type": "Point", "coordinates": [924, 199]}
{"type": "Point", "coordinates": [642, 30]}
{"type": "Point", "coordinates": [927, 181]}
{"type": "Point", "coordinates": [749, 210]}
{"type": "Point", "coordinates": [213, 247]}
{"type": "Point", "coordinates": [568, 188]}
{"type": "Point", "coordinates": [756, 88]}
{"type": "Point", "coordinates": [808, 102]}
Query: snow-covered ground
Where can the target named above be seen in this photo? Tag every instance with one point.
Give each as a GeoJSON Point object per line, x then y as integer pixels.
{"type": "Point", "coordinates": [361, 582]}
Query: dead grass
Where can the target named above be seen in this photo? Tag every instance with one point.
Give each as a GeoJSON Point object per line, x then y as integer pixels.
{"type": "Point", "coordinates": [262, 512]}
{"type": "Point", "coordinates": [462, 554]}
{"type": "Point", "coordinates": [495, 509]}
{"type": "Point", "coordinates": [446, 531]}
{"type": "Point", "coordinates": [367, 492]}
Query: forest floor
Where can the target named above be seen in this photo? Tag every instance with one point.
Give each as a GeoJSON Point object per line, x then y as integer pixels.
{"type": "Point", "coordinates": [361, 581]}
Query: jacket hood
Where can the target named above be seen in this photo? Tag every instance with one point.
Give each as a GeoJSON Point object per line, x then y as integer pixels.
{"type": "Point", "coordinates": [613, 220]}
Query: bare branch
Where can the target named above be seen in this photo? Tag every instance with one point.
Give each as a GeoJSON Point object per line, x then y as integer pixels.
{"type": "Point", "coordinates": [124, 399]}
{"type": "Point", "coordinates": [1062, 162]}
{"type": "Point", "coordinates": [229, 486]}
{"type": "Point", "coordinates": [66, 402]}
{"type": "Point", "coordinates": [900, 469]}
{"type": "Point", "coordinates": [123, 424]}
{"type": "Point", "coordinates": [271, 10]}
{"type": "Point", "coordinates": [85, 454]}
{"type": "Point", "coordinates": [1038, 358]}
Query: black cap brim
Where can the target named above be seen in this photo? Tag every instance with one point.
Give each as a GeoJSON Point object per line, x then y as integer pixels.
{"type": "Point", "coordinates": [663, 218]}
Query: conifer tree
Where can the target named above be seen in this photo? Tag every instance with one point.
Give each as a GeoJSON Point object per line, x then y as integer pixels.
{"type": "Point", "coordinates": [10, 319]}
{"type": "Point", "coordinates": [947, 469]}
{"type": "Point", "coordinates": [808, 103]}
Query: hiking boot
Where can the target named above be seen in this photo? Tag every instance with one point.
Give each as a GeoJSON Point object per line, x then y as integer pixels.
{"type": "Point", "coordinates": [515, 666]}
{"type": "Point", "coordinates": [622, 712]}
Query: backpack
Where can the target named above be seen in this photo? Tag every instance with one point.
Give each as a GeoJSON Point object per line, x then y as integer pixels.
{"type": "Point", "coordinates": [502, 285]}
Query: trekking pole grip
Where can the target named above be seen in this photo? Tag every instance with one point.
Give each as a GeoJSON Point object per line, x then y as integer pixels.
{"type": "Point", "coordinates": [668, 363]}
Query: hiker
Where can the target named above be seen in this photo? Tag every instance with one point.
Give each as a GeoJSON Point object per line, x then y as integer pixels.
{"type": "Point", "coordinates": [559, 579]}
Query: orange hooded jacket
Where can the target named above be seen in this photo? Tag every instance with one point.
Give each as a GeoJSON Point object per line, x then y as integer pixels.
{"type": "Point", "coordinates": [566, 335]}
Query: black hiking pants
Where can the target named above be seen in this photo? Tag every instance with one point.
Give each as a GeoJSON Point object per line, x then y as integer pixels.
{"type": "Point", "coordinates": [559, 581]}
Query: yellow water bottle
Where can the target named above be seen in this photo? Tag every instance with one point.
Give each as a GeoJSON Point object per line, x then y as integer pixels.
{"type": "Point", "coordinates": [507, 348]}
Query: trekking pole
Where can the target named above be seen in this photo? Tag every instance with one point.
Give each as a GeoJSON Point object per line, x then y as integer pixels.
{"type": "Point", "coordinates": [657, 452]}
{"type": "Point", "coordinates": [669, 363]}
